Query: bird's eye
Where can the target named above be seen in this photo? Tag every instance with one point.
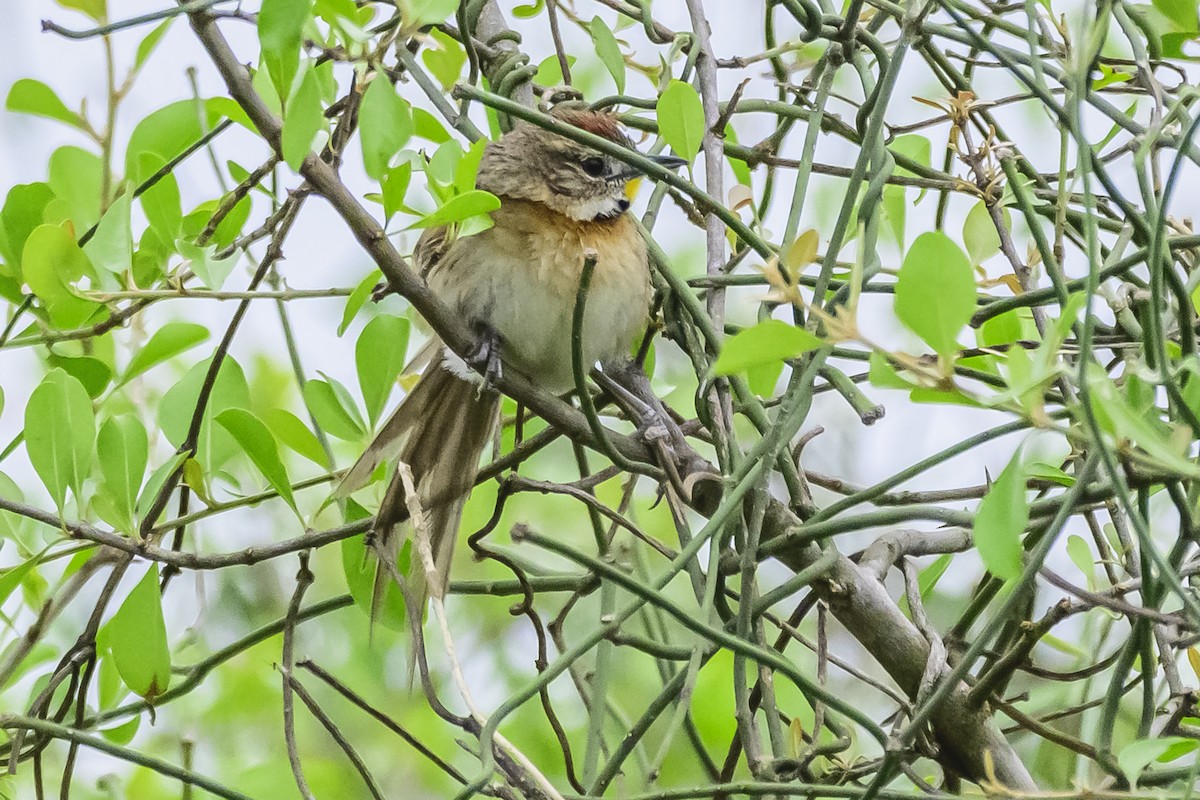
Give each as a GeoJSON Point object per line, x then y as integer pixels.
{"type": "Point", "coordinates": [593, 166]}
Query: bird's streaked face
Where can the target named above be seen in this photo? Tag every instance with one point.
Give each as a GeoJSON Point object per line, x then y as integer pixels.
{"type": "Point", "coordinates": [584, 184]}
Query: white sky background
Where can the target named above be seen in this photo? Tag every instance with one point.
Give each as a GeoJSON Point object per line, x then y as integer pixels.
{"type": "Point", "coordinates": [321, 254]}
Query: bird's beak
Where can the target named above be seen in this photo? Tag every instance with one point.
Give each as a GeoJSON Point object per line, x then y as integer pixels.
{"type": "Point", "coordinates": [633, 176]}
{"type": "Point", "coordinates": [669, 162]}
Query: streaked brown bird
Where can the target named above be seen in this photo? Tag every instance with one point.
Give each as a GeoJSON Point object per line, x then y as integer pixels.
{"type": "Point", "coordinates": [516, 284]}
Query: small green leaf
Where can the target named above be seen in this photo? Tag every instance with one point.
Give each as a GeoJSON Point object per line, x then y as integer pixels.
{"type": "Point", "coordinates": [1116, 416]}
{"type": "Point", "coordinates": [529, 9]}
{"type": "Point", "coordinates": [927, 579]}
{"type": "Point", "coordinates": [147, 45]}
{"type": "Point", "coordinates": [157, 479]}
{"type": "Point", "coordinates": [211, 271]}
{"type": "Point", "coordinates": [96, 9]}
{"type": "Point", "coordinates": [92, 372]}
{"type": "Point", "coordinates": [609, 51]}
{"type": "Point", "coordinates": [427, 126]}
{"type": "Point", "coordinates": [1047, 472]}
{"type": "Point", "coordinates": [459, 208]}
{"type": "Point", "coordinates": [681, 118]}
{"type": "Point", "coordinates": [549, 71]}
{"type": "Point", "coordinates": [52, 263]}
{"type": "Point", "coordinates": [979, 234]}
{"type": "Point", "coordinates": [29, 96]}
{"type": "Point", "coordinates": [427, 12]}
{"type": "Point", "coordinates": [395, 186]}
{"type": "Point", "coordinates": [1000, 521]}
{"type": "Point", "coordinates": [379, 356]}
{"type": "Point", "coordinates": [765, 343]}
{"type": "Point", "coordinates": [1181, 13]}
{"type": "Point", "coordinates": [60, 429]}
{"type": "Point", "coordinates": [289, 429]}
{"type": "Point", "coordinates": [137, 636]}
{"type": "Point", "coordinates": [214, 446]}
{"type": "Point", "coordinates": [895, 209]}
{"type": "Point", "coordinates": [333, 417]}
{"type": "Point", "coordinates": [161, 203]}
{"type": "Point", "coordinates": [111, 248]}
{"type": "Point", "coordinates": [935, 292]}
{"type": "Point", "coordinates": [446, 60]}
{"type": "Point", "coordinates": [1137, 755]}
{"type": "Point", "coordinates": [165, 134]}
{"type": "Point", "coordinates": [305, 117]}
{"type": "Point", "coordinates": [280, 29]}
{"type": "Point", "coordinates": [12, 577]}
{"type": "Point", "coordinates": [23, 211]}
{"type": "Point", "coordinates": [74, 174]}
{"type": "Point", "coordinates": [167, 342]}
{"type": "Point", "coordinates": [385, 120]}
{"type": "Point", "coordinates": [1080, 554]}
{"type": "Point", "coordinates": [357, 298]}
{"type": "Point", "coordinates": [258, 443]}
{"type": "Point", "coordinates": [911, 147]}
{"type": "Point", "coordinates": [122, 450]}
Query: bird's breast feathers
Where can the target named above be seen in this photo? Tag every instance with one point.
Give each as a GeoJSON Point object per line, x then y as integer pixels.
{"type": "Point", "coordinates": [521, 277]}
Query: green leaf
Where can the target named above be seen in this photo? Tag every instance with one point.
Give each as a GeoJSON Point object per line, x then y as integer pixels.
{"type": "Point", "coordinates": [609, 51]}
{"type": "Point", "coordinates": [1139, 754]}
{"type": "Point", "coordinates": [60, 429]}
{"type": "Point", "coordinates": [93, 373]}
{"type": "Point", "coordinates": [427, 126]}
{"type": "Point", "coordinates": [23, 211]}
{"type": "Point", "coordinates": [911, 147]}
{"type": "Point", "coordinates": [289, 429]}
{"type": "Point", "coordinates": [895, 209]}
{"type": "Point", "coordinates": [357, 298]}
{"type": "Point", "coordinates": [12, 525]}
{"type": "Point", "coordinates": [459, 208]}
{"type": "Point", "coordinates": [446, 60]}
{"type": "Point", "coordinates": [165, 134]}
{"type": "Point", "coordinates": [211, 271]}
{"type": "Point", "coordinates": [1181, 13]}
{"type": "Point", "coordinates": [161, 203]}
{"type": "Point", "coordinates": [549, 71]}
{"type": "Point", "coordinates": [111, 248]}
{"type": "Point", "coordinates": [75, 174]}
{"type": "Point", "coordinates": [395, 186]}
{"type": "Point", "coordinates": [147, 45]}
{"type": "Point", "coordinates": [215, 446]}
{"type": "Point", "coordinates": [359, 566]}
{"type": "Point", "coordinates": [333, 417]}
{"type": "Point", "coordinates": [12, 577]}
{"type": "Point", "coordinates": [979, 234]}
{"type": "Point", "coordinates": [379, 356]}
{"type": "Point", "coordinates": [1047, 472]}
{"type": "Point", "coordinates": [1116, 416]}
{"type": "Point", "coordinates": [427, 12]}
{"type": "Point", "coordinates": [765, 343]}
{"type": "Point", "coordinates": [122, 450]}
{"type": "Point", "coordinates": [1080, 554]}
{"type": "Point", "coordinates": [927, 579]}
{"type": "Point", "coordinates": [280, 29]}
{"type": "Point", "coordinates": [51, 263]}
{"type": "Point", "coordinates": [258, 443]}
{"type": "Point", "coordinates": [305, 117]}
{"type": "Point", "coordinates": [157, 479]}
{"type": "Point", "coordinates": [167, 342]}
{"type": "Point", "coordinates": [385, 120]}
{"type": "Point", "coordinates": [935, 292]}
{"type": "Point", "coordinates": [529, 9]}
{"type": "Point", "coordinates": [96, 9]}
{"type": "Point", "coordinates": [681, 118]}
{"type": "Point", "coordinates": [1000, 521]}
{"type": "Point", "coordinates": [29, 96]}
{"type": "Point", "coordinates": [137, 636]}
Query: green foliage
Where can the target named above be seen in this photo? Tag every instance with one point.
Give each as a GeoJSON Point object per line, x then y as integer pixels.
{"type": "Point", "coordinates": [280, 29]}
{"type": "Point", "coordinates": [386, 122]}
{"type": "Point", "coordinates": [609, 52]}
{"type": "Point", "coordinates": [379, 356]}
{"type": "Point", "coordinates": [30, 96]}
{"type": "Point", "coordinates": [256, 441]}
{"type": "Point", "coordinates": [935, 292]}
{"type": "Point", "coordinates": [681, 118]}
{"type": "Point", "coordinates": [1001, 520]}
{"type": "Point", "coordinates": [60, 432]}
{"type": "Point", "coordinates": [137, 636]}
{"type": "Point", "coordinates": [765, 343]}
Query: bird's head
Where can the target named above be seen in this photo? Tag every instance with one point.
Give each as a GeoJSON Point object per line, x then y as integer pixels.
{"type": "Point", "coordinates": [531, 163]}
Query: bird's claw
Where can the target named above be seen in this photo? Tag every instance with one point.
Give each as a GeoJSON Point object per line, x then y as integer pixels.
{"type": "Point", "coordinates": [486, 357]}
{"type": "Point", "coordinates": [381, 290]}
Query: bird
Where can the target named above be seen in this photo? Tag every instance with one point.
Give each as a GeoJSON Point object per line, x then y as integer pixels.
{"type": "Point", "coordinates": [516, 284]}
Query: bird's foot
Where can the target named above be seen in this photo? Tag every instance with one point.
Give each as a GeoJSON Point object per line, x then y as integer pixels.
{"type": "Point", "coordinates": [486, 357]}
{"type": "Point", "coordinates": [381, 290]}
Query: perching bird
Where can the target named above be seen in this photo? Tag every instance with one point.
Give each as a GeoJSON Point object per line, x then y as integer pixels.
{"type": "Point", "coordinates": [515, 283]}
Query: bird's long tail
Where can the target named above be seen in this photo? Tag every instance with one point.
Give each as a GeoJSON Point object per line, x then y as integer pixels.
{"type": "Point", "coordinates": [439, 431]}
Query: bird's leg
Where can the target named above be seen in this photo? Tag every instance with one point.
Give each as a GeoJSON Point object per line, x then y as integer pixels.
{"type": "Point", "coordinates": [486, 357]}
{"type": "Point", "coordinates": [381, 290]}
{"type": "Point", "coordinates": [653, 417]}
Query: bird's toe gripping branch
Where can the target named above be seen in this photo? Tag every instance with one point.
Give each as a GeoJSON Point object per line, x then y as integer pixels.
{"type": "Point", "coordinates": [486, 357]}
